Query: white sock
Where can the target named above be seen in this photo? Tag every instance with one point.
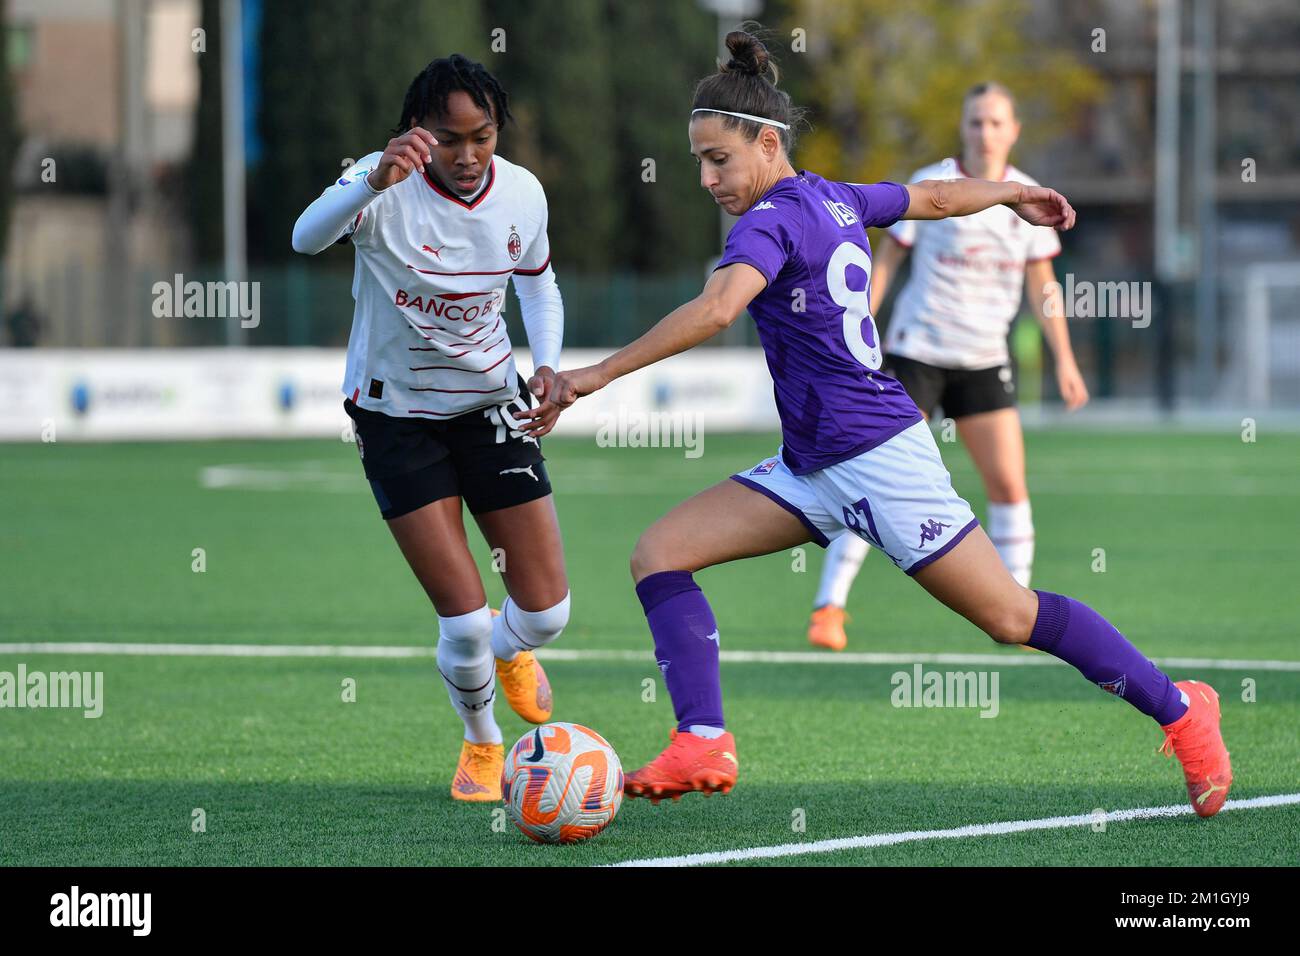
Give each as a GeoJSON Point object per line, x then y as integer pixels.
{"type": "Point", "coordinates": [843, 559]}
{"type": "Point", "coordinates": [465, 662]}
{"type": "Point", "coordinates": [705, 731]}
{"type": "Point", "coordinates": [1011, 529]}
{"type": "Point", "coordinates": [515, 630]}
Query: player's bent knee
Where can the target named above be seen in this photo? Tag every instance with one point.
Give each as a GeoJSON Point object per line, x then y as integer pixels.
{"type": "Point", "coordinates": [649, 557]}
{"type": "Point", "coordinates": [1012, 624]}
{"type": "Point", "coordinates": [463, 641]}
{"type": "Point", "coordinates": [536, 628]}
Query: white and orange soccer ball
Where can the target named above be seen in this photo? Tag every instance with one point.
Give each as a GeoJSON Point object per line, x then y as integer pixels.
{"type": "Point", "coordinates": [562, 783]}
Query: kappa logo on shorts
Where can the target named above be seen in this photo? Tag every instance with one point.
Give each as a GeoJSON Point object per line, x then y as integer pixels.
{"type": "Point", "coordinates": [930, 531]}
{"type": "Point", "coordinates": [765, 468]}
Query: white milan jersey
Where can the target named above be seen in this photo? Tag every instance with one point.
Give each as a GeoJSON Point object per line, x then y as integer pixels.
{"type": "Point", "coordinates": [428, 337]}
{"type": "Point", "coordinates": [968, 276]}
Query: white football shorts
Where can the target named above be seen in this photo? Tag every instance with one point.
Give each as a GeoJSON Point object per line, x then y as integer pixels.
{"type": "Point", "coordinates": [898, 497]}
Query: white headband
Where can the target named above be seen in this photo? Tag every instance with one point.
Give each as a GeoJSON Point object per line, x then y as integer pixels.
{"type": "Point", "coordinates": [745, 116]}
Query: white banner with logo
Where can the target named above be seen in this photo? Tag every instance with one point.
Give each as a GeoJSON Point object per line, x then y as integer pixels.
{"type": "Point", "coordinates": [165, 394]}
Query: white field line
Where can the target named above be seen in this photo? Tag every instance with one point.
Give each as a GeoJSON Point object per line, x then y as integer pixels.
{"type": "Point", "coordinates": [607, 654]}
{"type": "Point", "coordinates": [867, 841]}
{"type": "Point", "coordinates": [317, 476]}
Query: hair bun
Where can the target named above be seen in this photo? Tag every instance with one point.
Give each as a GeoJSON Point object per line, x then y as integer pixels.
{"type": "Point", "coordinates": [748, 54]}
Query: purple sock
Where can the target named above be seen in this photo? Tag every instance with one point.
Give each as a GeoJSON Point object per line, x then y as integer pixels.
{"type": "Point", "coordinates": [686, 646]}
{"type": "Point", "coordinates": [1075, 633]}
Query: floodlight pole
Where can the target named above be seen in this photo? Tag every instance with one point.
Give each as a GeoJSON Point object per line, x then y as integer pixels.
{"type": "Point", "coordinates": [232, 155]}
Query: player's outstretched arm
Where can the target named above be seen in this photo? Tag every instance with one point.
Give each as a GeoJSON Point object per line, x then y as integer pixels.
{"type": "Point", "coordinates": [944, 198]}
{"type": "Point", "coordinates": [726, 294]}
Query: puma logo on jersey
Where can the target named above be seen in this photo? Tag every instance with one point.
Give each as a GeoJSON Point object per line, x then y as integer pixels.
{"type": "Point", "coordinates": [437, 253]}
{"type": "Point", "coordinates": [528, 471]}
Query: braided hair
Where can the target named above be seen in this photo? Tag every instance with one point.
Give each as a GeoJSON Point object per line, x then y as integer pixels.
{"type": "Point", "coordinates": [428, 92]}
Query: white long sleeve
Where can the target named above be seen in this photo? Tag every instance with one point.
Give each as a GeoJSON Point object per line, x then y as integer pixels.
{"type": "Point", "coordinates": [542, 310]}
{"type": "Point", "coordinates": [334, 211]}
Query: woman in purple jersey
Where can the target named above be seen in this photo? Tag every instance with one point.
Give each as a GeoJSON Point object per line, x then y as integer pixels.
{"type": "Point", "coordinates": [856, 454]}
{"type": "Point", "coordinates": [947, 340]}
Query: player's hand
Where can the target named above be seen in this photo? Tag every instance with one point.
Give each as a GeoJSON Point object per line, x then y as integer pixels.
{"type": "Point", "coordinates": [1040, 206]}
{"type": "Point", "coordinates": [404, 155]}
{"type": "Point", "coordinates": [539, 421]}
{"type": "Point", "coordinates": [1070, 382]}
{"type": "Point", "coordinates": [565, 388]}
{"type": "Point", "coordinates": [570, 386]}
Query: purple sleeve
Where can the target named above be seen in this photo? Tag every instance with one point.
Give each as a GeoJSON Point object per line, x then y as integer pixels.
{"type": "Point", "coordinates": [764, 239]}
{"type": "Point", "coordinates": [879, 204]}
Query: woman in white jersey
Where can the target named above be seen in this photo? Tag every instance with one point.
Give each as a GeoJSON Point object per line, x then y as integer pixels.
{"type": "Point", "coordinates": [439, 224]}
{"type": "Point", "coordinates": [947, 339]}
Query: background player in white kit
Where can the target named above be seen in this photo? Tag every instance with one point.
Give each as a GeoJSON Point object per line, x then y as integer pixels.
{"type": "Point", "coordinates": [439, 224]}
{"type": "Point", "coordinates": [947, 340]}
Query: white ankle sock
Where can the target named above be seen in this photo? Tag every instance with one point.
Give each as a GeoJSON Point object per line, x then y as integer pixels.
{"type": "Point", "coordinates": [465, 663]}
{"type": "Point", "coordinates": [705, 731]}
{"type": "Point", "coordinates": [1011, 529]}
{"type": "Point", "coordinates": [843, 559]}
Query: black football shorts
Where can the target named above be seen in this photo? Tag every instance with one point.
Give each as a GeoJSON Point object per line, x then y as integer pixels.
{"type": "Point", "coordinates": [411, 462]}
{"type": "Point", "coordinates": [958, 391]}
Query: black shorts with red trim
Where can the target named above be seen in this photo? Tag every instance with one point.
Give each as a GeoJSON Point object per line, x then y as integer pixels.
{"type": "Point", "coordinates": [478, 456]}
{"type": "Point", "coordinates": [958, 391]}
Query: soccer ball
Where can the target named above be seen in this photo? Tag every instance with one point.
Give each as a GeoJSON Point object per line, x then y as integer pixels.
{"type": "Point", "coordinates": [562, 783]}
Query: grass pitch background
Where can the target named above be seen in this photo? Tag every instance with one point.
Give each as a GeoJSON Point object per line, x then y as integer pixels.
{"type": "Point", "coordinates": [97, 545]}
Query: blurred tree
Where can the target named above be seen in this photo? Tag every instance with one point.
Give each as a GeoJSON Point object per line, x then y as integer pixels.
{"type": "Point", "coordinates": [557, 67]}
{"type": "Point", "coordinates": [663, 51]}
{"type": "Point", "coordinates": [333, 77]}
{"type": "Point", "coordinates": [8, 136]}
{"type": "Point", "coordinates": [884, 81]}
{"type": "Point", "coordinates": [597, 88]}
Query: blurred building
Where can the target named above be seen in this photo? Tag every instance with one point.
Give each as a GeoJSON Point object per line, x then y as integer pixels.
{"type": "Point", "coordinates": [106, 91]}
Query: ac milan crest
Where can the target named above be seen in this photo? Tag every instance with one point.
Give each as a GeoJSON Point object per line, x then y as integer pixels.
{"type": "Point", "coordinates": [514, 245]}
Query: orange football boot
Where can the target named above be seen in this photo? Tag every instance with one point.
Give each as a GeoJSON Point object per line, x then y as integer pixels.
{"type": "Point", "coordinates": [526, 688]}
{"type": "Point", "coordinates": [689, 763]}
{"type": "Point", "coordinates": [826, 628]}
{"type": "Point", "coordinates": [478, 773]}
{"type": "Point", "coordinates": [525, 685]}
{"type": "Point", "coordinates": [1195, 738]}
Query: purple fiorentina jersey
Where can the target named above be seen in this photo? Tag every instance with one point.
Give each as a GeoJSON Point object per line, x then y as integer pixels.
{"type": "Point", "coordinates": [807, 236]}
